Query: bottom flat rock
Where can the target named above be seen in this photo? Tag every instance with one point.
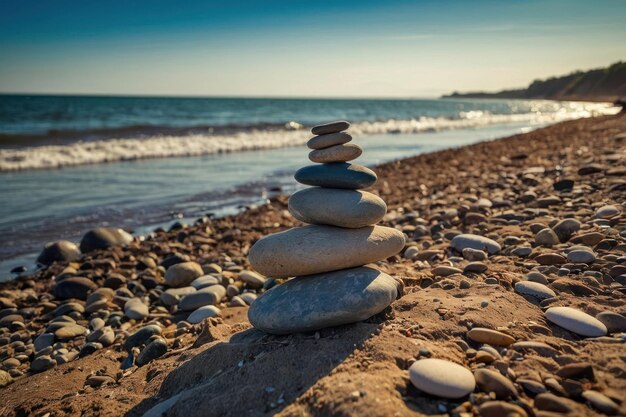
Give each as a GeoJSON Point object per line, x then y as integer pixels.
{"type": "Point", "coordinates": [314, 302]}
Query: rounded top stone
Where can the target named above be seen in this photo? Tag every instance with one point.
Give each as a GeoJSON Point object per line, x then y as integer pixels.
{"type": "Point", "coordinates": [442, 378]}
{"type": "Point", "coordinates": [331, 127]}
{"type": "Point", "coordinates": [478, 242]}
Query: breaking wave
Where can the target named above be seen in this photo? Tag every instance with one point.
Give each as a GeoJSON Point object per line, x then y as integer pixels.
{"type": "Point", "coordinates": [151, 142]}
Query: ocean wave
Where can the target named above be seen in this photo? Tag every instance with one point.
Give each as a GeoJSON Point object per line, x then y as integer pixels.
{"type": "Point", "coordinates": [67, 136]}
{"type": "Point", "coordinates": [198, 141]}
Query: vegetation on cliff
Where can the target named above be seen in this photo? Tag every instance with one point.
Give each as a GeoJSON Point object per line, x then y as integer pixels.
{"type": "Point", "coordinates": [603, 84]}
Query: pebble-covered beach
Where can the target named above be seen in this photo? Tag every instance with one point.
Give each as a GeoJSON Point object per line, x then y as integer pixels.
{"type": "Point", "coordinates": [510, 299]}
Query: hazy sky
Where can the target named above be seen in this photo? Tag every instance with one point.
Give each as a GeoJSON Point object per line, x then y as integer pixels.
{"type": "Point", "coordinates": [300, 48]}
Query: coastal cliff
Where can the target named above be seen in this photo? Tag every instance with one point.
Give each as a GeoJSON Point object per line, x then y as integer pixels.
{"type": "Point", "coordinates": [602, 84]}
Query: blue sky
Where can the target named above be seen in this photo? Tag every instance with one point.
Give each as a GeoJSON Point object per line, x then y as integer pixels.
{"type": "Point", "coordinates": [300, 48]}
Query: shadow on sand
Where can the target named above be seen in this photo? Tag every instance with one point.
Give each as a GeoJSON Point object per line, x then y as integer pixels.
{"type": "Point", "coordinates": [252, 373]}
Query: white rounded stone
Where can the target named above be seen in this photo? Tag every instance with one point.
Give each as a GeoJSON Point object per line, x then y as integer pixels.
{"type": "Point", "coordinates": [202, 313]}
{"type": "Point", "coordinates": [534, 289]}
{"type": "Point", "coordinates": [576, 321]}
{"type": "Point", "coordinates": [477, 242]}
{"type": "Point", "coordinates": [204, 281]}
{"type": "Point", "coordinates": [206, 296]}
{"type": "Point", "coordinates": [442, 378]}
{"type": "Point", "coordinates": [581, 256]}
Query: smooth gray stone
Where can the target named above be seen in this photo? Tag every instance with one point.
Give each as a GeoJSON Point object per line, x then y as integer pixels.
{"type": "Point", "coordinates": [141, 336]}
{"type": "Point", "coordinates": [601, 402]}
{"type": "Point", "coordinates": [337, 153]}
{"type": "Point", "coordinates": [326, 141]}
{"type": "Point", "coordinates": [536, 276]}
{"type": "Point", "coordinates": [314, 302]}
{"type": "Point", "coordinates": [154, 350]}
{"type": "Point", "coordinates": [103, 238]}
{"type": "Point", "coordinates": [202, 313]}
{"type": "Point", "coordinates": [315, 249]}
{"type": "Point", "coordinates": [614, 322]}
{"type": "Point", "coordinates": [253, 279]}
{"type": "Point", "coordinates": [206, 296]}
{"type": "Point", "coordinates": [460, 242]}
{"type": "Point", "coordinates": [172, 296]}
{"type": "Point", "coordinates": [331, 127]}
{"type": "Point", "coordinates": [493, 381]}
{"type": "Point", "coordinates": [473, 255]}
{"type": "Point", "coordinates": [566, 228]}
{"type": "Point", "coordinates": [248, 297]}
{"type": "Point", "coordinates": [43, 341]}
{"type": "Point", "coordinates": [59, 251]}
{"type": "Point", "coordinates": [42, 363]}
{"type": "Point", "coordinates": [104, 336]}
{"type": "Point", "coordinates": [135, 309]}
{"type": "Point", "coordinates": [183, 274]}
{"type": "Point", "coordinates": [69, 331]}
{"type": "Point", "coordinates": [204, 281]}
{"type": "Point", "coordinates": [546, 237]}
{"type": "Point", "coordinates": [74, 287]}
{"type": "Point", "coordinates": [581, 256]}
{"type": "Point", "coordinates": [608, 211]}
{"type": "Point", "coordinates": [337, 175]}
{"type": "Point", "coordinates": [68, 308]}
{"type": "Point", "coordinates": [89, 348]}
{"type": "Point", "coordinates": [522, 251]}
{"type": "Point", "coordinates": [337, 207]}
{"type": "Point", "coordinates": [96, 323]}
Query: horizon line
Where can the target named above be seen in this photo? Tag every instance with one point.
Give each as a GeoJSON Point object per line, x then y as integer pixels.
{"type": "Point", "coordinates": [219, 96]}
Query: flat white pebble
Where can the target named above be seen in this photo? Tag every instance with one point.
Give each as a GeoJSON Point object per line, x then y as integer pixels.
{"type": "Point", "coordinates": [442, 378]}
{"type": "Point", "coordinates": [576, 321]}
{"type": "Point", "coordinates": [534, 289]}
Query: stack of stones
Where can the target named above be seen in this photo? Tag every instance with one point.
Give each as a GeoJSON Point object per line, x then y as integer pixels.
{"type": "Point", "coordinates": [327, 257]}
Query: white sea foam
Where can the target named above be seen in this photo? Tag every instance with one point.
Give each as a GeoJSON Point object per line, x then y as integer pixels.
{"type": "Point", "coordinates": [110, 150]}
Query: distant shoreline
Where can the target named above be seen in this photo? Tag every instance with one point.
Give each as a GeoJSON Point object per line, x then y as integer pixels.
{"type": "Point", "coordinates": [597, 85]}
{"type": "Point", "coordinates": [497, 96]}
